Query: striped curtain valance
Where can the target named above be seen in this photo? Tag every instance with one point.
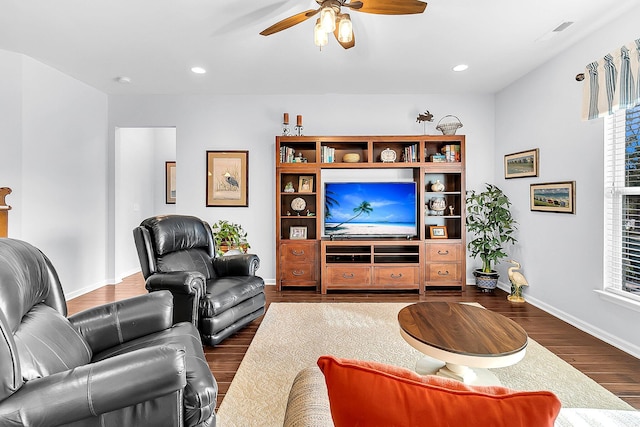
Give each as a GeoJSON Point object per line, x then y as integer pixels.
{"type": "Point", "coordinates": [612, 83]}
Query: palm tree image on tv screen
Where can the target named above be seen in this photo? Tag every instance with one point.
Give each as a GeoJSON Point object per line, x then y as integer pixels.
{"type": "Point", "coordinates": [370, 209]}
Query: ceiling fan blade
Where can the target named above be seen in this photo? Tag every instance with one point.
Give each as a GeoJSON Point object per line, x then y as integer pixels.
{"type": "Point", "coordinates": [391, 7]}
{"type": "Point", "coordinates": [346, 45]}
{"type": "Point", "coordinates": [289, 22]}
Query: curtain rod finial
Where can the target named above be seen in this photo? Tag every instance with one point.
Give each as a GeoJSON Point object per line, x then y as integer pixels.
{"type": "Point", "coordinates": [580, 77]}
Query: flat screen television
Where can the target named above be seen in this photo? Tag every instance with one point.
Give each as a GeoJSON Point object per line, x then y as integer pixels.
{"type": "Point", "coordinates": [370, 209]}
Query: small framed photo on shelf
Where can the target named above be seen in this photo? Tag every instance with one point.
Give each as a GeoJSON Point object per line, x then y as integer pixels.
{"type": "Point", "coordinates": [522, 164]}
{"type": "Point", "coordinates": [438, 232]}
{"type": "Point", "coordinates": [297, 233]}
{"type": "Point", "coordinates": [305, 184]}
{"type": "Point", "coordinates": [553, 197]}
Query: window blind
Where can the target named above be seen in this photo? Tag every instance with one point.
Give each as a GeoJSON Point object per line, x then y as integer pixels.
{"type": "Point", "coordinates": [622, 203]}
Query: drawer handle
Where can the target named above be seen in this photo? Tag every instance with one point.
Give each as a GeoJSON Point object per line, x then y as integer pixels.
{"type": "Point", "coordinates": [443, 252]}
{"type": "Point", "coordinates": [298, 272]}
{"type": "Point", "coordinates": [348, 275]}
{"type": "Point", "coordinates": [396, 276]}
{"type": "Point", "coordinates": [295, 252]}
{"type": "Point", "coordinates": [440, 273]}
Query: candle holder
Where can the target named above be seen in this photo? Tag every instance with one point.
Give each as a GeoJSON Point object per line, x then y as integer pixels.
{"type": "Point", "coordinates": [286, 129]}
{"type": "Point", "coordinates": [299, 130]}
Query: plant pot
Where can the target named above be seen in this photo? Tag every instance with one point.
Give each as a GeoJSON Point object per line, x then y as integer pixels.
{"type": "Point", "coordinates": [486, 281]}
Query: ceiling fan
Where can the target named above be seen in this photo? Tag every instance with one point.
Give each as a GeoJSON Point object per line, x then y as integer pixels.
{"type": "Point", "coordinates": [332, 20]}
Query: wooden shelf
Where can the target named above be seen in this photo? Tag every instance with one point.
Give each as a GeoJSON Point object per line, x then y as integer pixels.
{"type": "Point", "coordinates": [371, 260]}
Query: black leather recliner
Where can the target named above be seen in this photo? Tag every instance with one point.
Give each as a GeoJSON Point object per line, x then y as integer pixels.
{"type": "Point", "coordinates": [220, 295]}
{"type": "Point", "coordinates": [119, 364]}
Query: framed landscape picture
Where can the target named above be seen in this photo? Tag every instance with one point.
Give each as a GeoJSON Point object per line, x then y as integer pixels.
{"type": "Point", "coordinates": [227, 178]}
{"type": "Point", "coordinates": [553, 197]}
{"type": "Point", "coordinates": [522, 164]}
{"type": "Point", "coordinates": [170, 182]}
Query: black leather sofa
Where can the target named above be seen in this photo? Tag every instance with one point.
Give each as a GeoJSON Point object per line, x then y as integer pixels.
{"type": "Point", "coordinates": [219, 294]}
{"type": "Point", "coordinates": [121, 364]}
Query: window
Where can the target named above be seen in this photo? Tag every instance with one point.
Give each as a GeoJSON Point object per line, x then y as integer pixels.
{"type": "Point", "coordinates": [622, 203]}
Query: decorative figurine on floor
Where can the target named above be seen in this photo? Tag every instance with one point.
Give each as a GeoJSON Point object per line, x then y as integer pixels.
{"type": "Point", "coordinates": [517, 282]}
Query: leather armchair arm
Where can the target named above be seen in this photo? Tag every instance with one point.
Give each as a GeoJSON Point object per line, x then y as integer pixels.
{"type": "Point", "coordinates": [97, 388]}
{"type": "Point", "coordinates": [236, 265]}
{"type": "Point", "coordinates": [111, 324]}
{"type": "Point", "coordinates": [178, 282]}
{"type": "Point", "coordinates": [187, 288]}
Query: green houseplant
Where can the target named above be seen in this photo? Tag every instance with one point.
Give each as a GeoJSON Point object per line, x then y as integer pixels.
{"type": "Point", "coordinates": [489, 219]}
{"type": "Point", "coordinates": [229, 236]}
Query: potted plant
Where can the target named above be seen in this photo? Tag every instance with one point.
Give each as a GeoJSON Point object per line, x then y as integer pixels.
{"type": "Point", "coordinates": [489, 219]}
{"type": "Point", "coordinates": [229, 237]}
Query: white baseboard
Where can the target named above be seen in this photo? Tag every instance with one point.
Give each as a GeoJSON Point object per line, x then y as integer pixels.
{"type": "Point", "coordinates": [623, 345]}
{"type": "Point", "coordinates": [85, 290]}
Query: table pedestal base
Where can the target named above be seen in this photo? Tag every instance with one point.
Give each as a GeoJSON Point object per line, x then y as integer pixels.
{"type": "Point", "coordinates": [472, 376]}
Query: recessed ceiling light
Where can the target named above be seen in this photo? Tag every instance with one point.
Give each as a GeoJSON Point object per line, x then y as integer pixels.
{"type": "Point", "coordinates": [460, 67]}
{"type": "Point", "coordinates": [198, 70]}
{"type": "Point", "coordinates": [123, 80]}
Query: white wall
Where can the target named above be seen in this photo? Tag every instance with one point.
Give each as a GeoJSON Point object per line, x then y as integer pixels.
{"type": "Point", "coordinates": [562, 255]}
{"type": "Point", "coordinates": [140, 187]}
{"type": "Point", "coordinates": [55, 159]}
{"type": "Point", "coordinates": [11, 135]}
{"type": "Point", "coordinates": [252, 122]}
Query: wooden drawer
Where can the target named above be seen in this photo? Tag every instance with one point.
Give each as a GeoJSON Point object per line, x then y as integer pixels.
{"type": "Point", "coordinates": [298, 252]}
{"type": "Point", "coordinates": [348, 276]}
{"type": "Point", "coordinates": [401, 276]}
{"type": "Point", "coordinates": [441, 272]}
{"type": "Point", "coordinates": [444, 252]}
{"type": "Point", "coordinates": [305, 272]}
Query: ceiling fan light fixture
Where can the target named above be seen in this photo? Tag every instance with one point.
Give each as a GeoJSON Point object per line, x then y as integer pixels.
{"type": "Point", "coordinates": [345, 29]}
{"type": "Point", "coordinates": [320, 37]}
{"type": "Point", "coordinates": [328, 19]}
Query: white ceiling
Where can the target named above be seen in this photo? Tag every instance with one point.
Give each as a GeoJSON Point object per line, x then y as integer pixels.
{"type": "Point", "coordinates": [156, 42]}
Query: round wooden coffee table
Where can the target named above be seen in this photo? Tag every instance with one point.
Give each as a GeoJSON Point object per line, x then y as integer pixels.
{"type": "Point", "coordinates": [463, 339]}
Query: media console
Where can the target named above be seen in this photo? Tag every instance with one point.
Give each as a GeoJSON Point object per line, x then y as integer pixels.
{"type": "Point", "coordinates": [433, 257]}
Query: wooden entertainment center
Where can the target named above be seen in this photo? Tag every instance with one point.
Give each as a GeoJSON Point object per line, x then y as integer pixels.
{"type": "Point", "coordinates": [434, 257]}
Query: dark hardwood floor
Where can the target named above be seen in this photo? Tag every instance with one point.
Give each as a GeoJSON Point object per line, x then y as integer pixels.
{"type": "Point", "coordinates": [612, 368]}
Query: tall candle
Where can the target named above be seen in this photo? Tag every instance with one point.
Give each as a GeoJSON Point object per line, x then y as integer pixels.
{"type": "Point", "coordinates": [299, 120]}
{"type": "Point", "coordinates": [286, 119]}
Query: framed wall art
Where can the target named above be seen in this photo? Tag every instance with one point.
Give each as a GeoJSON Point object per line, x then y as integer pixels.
{"type": "Point", "coordinates": [438, 232]}
{"type": "Point", "coordinates": [170, 182]}
{"type": "Point", "coordinates": [553, 197]}
{"type": "Point", "coordinates": [228, 178]}
{"type": "Point", "coordinates": [522, 164]}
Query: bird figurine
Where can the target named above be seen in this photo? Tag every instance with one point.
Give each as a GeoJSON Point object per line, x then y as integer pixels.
{"type": "Point", "coordinates": [517, 282]}
{"type": "Point", "coordinates": [231, 180]}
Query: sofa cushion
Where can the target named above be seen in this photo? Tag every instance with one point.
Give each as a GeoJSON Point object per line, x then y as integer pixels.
{"type": "Point", "coordinates": [365, 393]}
{"type": "Point", "coordinates": [46, 343]}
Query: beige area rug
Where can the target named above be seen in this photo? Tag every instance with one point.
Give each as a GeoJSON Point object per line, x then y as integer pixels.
{"type": "Point", "coordinates": [293, 335]}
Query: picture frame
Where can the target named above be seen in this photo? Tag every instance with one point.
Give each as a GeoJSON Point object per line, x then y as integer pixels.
{"type": "Point", "coordinates": [522, 164]}
{"type": "Point", "coordinates": [305, 184]}
{"type": "Point", "coordinates": [297, 232]}
{"type": "Point", "coordinates": [438, 232]}
{"type": "Point", "coordinates": [553, 197]}
{"type": "Point", "coordinates": [170, 182]}
{"type": "Point", "coordinates": [228, 178]}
